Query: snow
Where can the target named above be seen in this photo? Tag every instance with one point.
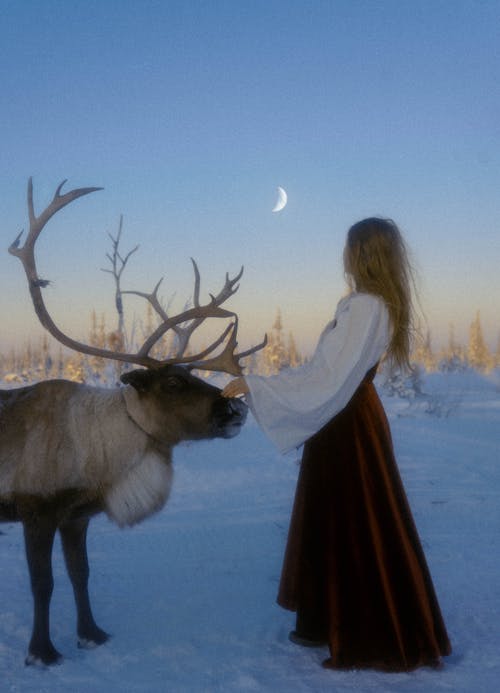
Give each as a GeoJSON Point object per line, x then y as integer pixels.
{"type": "Point", "coordinates": [189, 595]}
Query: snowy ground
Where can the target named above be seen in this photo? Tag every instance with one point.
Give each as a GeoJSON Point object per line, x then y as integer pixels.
{"type": "Point", "coordinates": [189, 595]}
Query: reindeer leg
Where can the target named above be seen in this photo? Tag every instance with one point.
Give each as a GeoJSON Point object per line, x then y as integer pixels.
{"type": "Point", "coordinates": [39, 534]}
{"type": "Point", "coordinates": [74, 542]}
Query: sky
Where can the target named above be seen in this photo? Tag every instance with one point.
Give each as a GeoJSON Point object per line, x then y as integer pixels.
{"type": "Point", "coordinates": [191, 113]}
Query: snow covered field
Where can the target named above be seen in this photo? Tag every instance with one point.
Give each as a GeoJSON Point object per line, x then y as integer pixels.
{"type": "Point", "coordinates": [189, 594]}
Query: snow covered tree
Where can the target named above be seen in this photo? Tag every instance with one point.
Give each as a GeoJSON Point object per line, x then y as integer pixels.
{"type": "Point", "coordinates": [294, 357]}
{"type": "Point", "coordinates": [396, 383]}
{"type": "Point", "coordinates": [423, 354]}
{"type": "Point", "coordinates": [97, 339]}
{"type": "Point", "coordinates": [277, 354]}
{"type": "Point", "coordinates": [478, 354]}
{"type": "Point", "coordinates": [453, 358]}
{"type": "Point", "coordinates": [274, 355]}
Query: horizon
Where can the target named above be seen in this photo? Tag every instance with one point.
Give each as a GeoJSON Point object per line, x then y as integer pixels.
{"type": "Point", "coordinates": [439, 344]}
{"type": "Point", "coordinates": [191, 116]}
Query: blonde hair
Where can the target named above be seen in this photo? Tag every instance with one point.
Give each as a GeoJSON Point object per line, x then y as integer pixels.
{"type": "Point", "coordinates": [376, 261]}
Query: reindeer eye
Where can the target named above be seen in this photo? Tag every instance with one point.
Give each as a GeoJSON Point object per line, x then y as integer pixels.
{"type": "Point", "coordinates": [173, 382]}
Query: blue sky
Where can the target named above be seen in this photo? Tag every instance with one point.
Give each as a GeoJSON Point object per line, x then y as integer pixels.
{"type": "Point", "coordinates": [191, 113]}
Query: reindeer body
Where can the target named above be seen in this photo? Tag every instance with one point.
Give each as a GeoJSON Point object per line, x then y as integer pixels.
{"type": "Point", "coordinates": [69, 451]}
{"type": "Point", "coordinates": [82, 438]}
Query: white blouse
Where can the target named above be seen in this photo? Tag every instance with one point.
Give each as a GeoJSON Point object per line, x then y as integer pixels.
{"type": "Point", "coordinates": [297, 402]}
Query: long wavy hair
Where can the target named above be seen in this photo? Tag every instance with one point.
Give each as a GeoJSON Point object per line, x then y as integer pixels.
{"type": "Point", "coordinates": [376, 261]}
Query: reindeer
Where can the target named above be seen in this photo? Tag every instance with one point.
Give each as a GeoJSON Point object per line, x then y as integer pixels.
{"type": "Point", "coordinates": [69, 451]}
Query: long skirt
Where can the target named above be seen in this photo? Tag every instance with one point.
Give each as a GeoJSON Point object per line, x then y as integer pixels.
{"type": "Point", "coordinates": [354, 568]}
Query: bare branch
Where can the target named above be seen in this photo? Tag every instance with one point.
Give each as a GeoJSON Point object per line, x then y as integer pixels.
{"type": "Point", "coordinates": [118, 264]}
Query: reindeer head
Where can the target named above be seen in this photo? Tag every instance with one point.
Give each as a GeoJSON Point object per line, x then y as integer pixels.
{"type": "Point", "coordinates": [171, 404]}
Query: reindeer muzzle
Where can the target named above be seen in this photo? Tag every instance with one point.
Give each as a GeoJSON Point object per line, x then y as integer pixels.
{"type": "Point", "coordinates": [229, 416]}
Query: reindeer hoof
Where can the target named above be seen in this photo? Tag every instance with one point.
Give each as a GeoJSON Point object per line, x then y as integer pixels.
{"type": "Point", "coordinates": [92, 640]}
{"type": "Point", "coordinates": [48, 658]}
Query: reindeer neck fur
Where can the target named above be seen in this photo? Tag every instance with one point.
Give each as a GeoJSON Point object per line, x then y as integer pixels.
{"type": "Point", "coordinates": [143, 421]}
{"type": "Point", "coordinates": [145, 487]}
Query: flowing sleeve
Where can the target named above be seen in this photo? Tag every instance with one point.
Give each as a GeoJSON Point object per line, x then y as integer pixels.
{"type": "Point", "coordinates": [296, 403]}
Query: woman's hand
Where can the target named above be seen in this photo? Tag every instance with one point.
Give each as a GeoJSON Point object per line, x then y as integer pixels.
{"type": "Point", "coordinates": [235, 387]}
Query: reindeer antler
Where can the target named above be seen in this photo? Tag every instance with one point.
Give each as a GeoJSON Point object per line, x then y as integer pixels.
{"type": "Point", "coordinates": [183, 324]}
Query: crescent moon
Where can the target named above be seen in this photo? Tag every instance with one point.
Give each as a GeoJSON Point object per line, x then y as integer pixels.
{"type": "Point", "coordinates": [281, 201]}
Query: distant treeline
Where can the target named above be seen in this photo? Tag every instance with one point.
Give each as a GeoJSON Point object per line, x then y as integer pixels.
{"type": "Point", "coordinates": [42, 360]}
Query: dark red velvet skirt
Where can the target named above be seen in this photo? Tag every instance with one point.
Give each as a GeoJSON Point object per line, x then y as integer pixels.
{"type": "Point", "coordinates": [354, 569]}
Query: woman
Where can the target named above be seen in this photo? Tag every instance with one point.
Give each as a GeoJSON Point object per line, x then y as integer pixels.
{"type": "Point", "coordinates": [354, 569]}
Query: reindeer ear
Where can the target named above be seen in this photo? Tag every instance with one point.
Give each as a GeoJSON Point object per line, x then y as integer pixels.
{"type": "Point", "coordinates": [140, 379]}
